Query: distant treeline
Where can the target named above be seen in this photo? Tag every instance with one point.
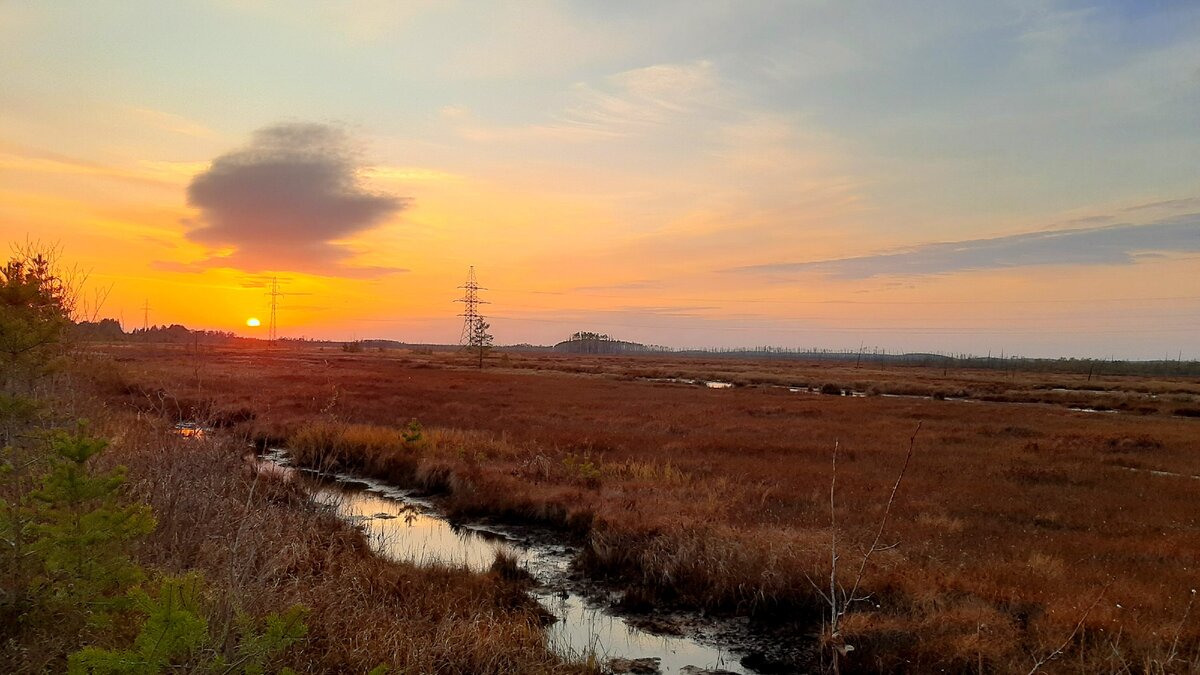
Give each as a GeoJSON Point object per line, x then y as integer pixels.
{"type": "Point", "coordinates": [109, 330]}
{"type": "Point", "coordinates": [1091, 367]}
{"type": "Point", "coordinates": [584, 342]}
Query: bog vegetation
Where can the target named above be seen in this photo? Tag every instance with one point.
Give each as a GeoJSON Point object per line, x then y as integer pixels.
{"type": "Point", "coordinates": [154, 553]}
{"type": "Point", "coordinates": [1022, 533]}
{"type": "Point", "coordinates": [1011, 534]}
{"type": "Point", "coordinates": [72, 597]}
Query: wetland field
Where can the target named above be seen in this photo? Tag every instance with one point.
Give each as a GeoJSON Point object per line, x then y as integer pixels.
{"type": "Point", "coordinates": [981, 521]}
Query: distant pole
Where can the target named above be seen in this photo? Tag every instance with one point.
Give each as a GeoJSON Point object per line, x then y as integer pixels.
{"type": "Point", "coordinates": [273, 330]}
{"type": "Point", "coordinates": [471, 302]}
{"type": "Point", "coordinates": [475, 330]}
{"type": "Point", "coordinates": [146, 315]}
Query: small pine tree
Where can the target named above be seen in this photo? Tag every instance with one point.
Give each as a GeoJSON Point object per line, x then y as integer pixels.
{"type": "Point", "coordinates": [35, 315]}
{"type": "Point", "coordinates": [175, 636]}
{"type": "Point", "coordinates": [481, 339]}
{"type": "Point", "coordinates": [174, 629]}
{"type": "Point", "coordinates": [83, 534]}
{"type": "Point", "coordinates": [36, 306]}
{"type": "Point", "coordinates": [258, 646]}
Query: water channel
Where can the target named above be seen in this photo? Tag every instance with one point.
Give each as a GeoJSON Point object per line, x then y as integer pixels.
{"type": "Point", "coordinates": [403, 526]}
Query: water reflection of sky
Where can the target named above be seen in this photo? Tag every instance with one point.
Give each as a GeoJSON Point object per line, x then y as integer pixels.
{"type": "Point", "coordinates": [403, 532]}
{"type": "Point", "coordinates": [407, 531]}
{"type": "Point", "coordinates": [191, 430]}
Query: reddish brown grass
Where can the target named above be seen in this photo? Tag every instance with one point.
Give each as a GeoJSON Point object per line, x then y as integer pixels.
{"type": "Point", "coordinates": [263, 547]}
{"type": "Point", "coordinates": [1010, 521]}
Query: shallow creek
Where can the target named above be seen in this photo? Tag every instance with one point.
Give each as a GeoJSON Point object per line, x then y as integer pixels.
{"type": "Point", "coordinates": [402, 526]}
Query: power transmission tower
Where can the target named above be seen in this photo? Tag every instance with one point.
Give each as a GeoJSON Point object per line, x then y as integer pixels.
{"type": "Point", "coordinates": [470, 314]}
{"type": "Point", "coordinates": [272, 332]}
{"type": "Point", "coordinates": [146, 315]}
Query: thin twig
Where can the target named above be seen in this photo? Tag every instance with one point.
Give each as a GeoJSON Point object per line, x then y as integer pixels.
{"type": "Point", "coordinates": [816, 587]}
{"type": "Point", "coordinates": [833, 556]}
{"type": "Point", "coordinates": [1066, 643]}
{"type": "Point", "coordinates": [1114, 643]}
{"type": "Point", "coordinates": [1179, 629]}
{"type": "Point", "coordinates": [875, 548]}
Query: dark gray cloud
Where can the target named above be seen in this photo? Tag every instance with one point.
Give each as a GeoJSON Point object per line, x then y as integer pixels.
{"type": "Point", "coordinates": [284, 201]}
{"type": "Point", "coordinates": [1113, 245]}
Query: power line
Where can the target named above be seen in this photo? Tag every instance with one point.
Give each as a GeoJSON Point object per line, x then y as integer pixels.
{"type": "Point", "coordinates": [146, 315]}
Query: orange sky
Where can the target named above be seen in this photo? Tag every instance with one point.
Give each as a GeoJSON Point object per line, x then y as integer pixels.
{"type": "Point", "coordinates": [661, 181]}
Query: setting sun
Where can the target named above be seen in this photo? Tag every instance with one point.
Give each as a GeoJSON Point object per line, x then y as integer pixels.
{"type": "Point", "coordinates": [670, 302]}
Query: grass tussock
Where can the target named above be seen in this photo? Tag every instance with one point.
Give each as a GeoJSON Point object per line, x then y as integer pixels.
{"type": "Point", "coordinates": [384, 452]}
{"type": "Point", "coordinates": [714, 567]}
{"type": "Point", "coordinates": [446, 462]}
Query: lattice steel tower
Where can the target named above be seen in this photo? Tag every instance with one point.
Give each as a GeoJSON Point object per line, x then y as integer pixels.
{"type": "Point", "coordinates": [471, 303]}
{"type": "Point", "coordinates": [273, 331]}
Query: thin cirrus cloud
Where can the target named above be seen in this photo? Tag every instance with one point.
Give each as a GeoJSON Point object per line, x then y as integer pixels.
{"type": "Point", "coordinates": [1112, 245]}
{"type": "Point", "coordinates": [285, 201]}
{"type": "Point", "coordinates": [637, 102]}
{"type": "Point", "coordinates": [638, 285]}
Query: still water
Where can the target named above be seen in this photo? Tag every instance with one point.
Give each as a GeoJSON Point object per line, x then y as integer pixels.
{"type": "Point", "coordinates": [407, 528]}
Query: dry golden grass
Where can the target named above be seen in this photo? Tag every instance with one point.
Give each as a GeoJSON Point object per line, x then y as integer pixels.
{"type": "Point", "coordinates": [263, 547]}
{"type": "Point", "coordinates": [1011, 520]}
{"type": "Point", "coordinates": [383, 452]}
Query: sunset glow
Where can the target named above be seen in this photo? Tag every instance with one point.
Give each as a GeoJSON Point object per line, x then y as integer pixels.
{"type": "Point", "coordinates": [973, 177]}
{"type": "Point", "coordinates": [671, 336]}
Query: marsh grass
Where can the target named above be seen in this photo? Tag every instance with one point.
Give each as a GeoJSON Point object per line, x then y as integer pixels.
{"type": "Point", "coordinates": [383, 452]}
{"type": "Point", "coordinates": [264, 546]}
{"type": "Point", "coordinates": [1013, 519]}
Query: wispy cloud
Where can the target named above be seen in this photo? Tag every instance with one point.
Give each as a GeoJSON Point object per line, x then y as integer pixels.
{"type": "Point", "coordinates": [638, 285]}
{"type": "Point", "coordinates": [1166, 204]}
{"type": "Point", "coordinates": [643, 100]}
{"type": "Point", "coordinates": [649, 96]}
{"type": "Point", "coordinates": [14, 157]}
{"type": "Point", "coordinates": [170, 122]}
{"type": "Point", "coordinates": [1114, 245]}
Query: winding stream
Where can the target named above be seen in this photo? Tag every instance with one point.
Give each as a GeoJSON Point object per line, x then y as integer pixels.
{"type": "Point", "coordinates": [402, 526]}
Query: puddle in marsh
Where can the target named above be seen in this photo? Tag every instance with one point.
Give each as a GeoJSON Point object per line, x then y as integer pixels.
{"type": "Point", "coordinates": [1156, 472]}
{"type": "Point", "coordinates": [191, 430]}
{"type": "Point", "coordinates": [710, 384]}
{"type": "Point", "coordinates": [959, 399]}
{"type": "Point", "coordinates": [405, 527]}
{"type": "Point", "coordinates": [799, 389]}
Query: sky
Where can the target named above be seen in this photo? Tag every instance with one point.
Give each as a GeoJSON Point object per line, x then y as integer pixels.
{"type": "Point", "coordinates": [1015, 176]}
